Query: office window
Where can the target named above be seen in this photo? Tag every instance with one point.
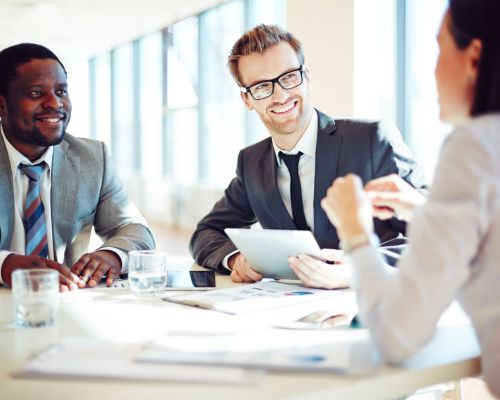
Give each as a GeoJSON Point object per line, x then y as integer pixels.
{"type": "Point", "coordinates": [150, 100]}
{"type": "Point", "coordinates": [101, 98]}
{"type": "Point", "coordinates": [167, 104]}
{"type": "Point", "coordinates": [78, 89]}
{"type": "Point", "coordinates": [375, 59]}
{"type": "Point", "coordinates": [222, 120]}
{"type": "Point", "coordinates": [123, 132]}
{"type": "Point", "coordinates": [395, 52]}
{"type": "Point", "coordinates": [425, 131]}
{"type": "Point", "coordinates": [182, 101]}
{"type": "Point", "coordinates": [265, 12]}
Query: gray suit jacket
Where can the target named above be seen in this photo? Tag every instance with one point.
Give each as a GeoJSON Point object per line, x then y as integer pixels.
{"type": "Point", "coordinates": [86, 191]}
{"type": "Point", "coordinates": [368, 149]}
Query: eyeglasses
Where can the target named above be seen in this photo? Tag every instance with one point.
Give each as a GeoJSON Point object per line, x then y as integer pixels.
{"type": "Point", "coordinates": [288, 80]}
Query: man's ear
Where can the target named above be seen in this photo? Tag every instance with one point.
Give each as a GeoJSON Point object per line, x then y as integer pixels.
{"type": "Point", "coordinates": [246, 100]}
{"type": "Point", "coordinates": [307, 73]}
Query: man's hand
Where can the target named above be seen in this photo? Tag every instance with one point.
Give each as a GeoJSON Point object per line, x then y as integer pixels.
{"type": "Point", "coordinates": [91, 267]}
{"type": "Point", "coordinates": [333, 255]}
{"type": "Point", "coordinates": [241, 271]}
{"type": "Point", "coordinates": [67, 280]}
{"type": "Point", "coordinates": [317, 274]}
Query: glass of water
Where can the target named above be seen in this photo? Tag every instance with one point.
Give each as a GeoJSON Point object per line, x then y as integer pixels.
{"type": "Point", "coordinates": [147, 271]}
{"type": "Point", "coordinates": [36, 297]}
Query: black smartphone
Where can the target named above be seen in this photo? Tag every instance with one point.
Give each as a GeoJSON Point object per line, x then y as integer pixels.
{"type": "Point", "coordinates": [190, 280]}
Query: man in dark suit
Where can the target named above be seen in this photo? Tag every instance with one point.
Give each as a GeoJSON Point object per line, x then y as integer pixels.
{"type": "Point", "coordinates": [270, 188]}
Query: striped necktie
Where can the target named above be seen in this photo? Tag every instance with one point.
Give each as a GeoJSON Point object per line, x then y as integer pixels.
{"type": "Point", "coordinates": [34, 213]}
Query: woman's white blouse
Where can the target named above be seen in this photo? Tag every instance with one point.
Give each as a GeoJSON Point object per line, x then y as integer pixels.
{"type": "Point", "coordinates": [454, 252]}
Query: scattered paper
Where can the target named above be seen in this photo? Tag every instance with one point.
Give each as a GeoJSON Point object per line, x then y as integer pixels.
{"type": "Point", "coordinates": [270, 349]}
{"type": "Point", "coordinates": [90, 358]}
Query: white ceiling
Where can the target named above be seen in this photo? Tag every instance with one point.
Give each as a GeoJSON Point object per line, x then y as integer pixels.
{"type": "Point", "coordinates": [78, 29]}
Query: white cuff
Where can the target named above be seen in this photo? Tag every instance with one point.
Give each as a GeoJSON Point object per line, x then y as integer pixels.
{"type": "Point", "coordinates": [120, 253]}
{"type": "Point", "coordinates": [226, 259]}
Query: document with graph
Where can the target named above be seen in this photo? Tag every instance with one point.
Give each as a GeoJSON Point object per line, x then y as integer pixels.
{"type": "Point", "coordinates": [253, 297]}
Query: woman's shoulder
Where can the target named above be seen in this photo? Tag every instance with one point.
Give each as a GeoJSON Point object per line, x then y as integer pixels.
{"type": "Point", "coordinates": [484, 128]}
{"type": "Point", "coordinates": [480, 133]}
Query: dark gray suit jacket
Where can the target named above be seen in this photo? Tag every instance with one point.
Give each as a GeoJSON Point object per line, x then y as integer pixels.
{"type": "Point", "coordinates": [368, 149]}
{"type": "Point", "coordinates": [86, 192]}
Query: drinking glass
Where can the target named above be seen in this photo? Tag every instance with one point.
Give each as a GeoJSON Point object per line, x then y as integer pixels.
{"type": "Point", "coordinates": [36, 297]}
{"type": "Point", "coordinates": [147, 271]}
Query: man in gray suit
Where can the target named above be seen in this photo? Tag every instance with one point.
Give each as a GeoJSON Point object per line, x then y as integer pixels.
{"type": "Point", "coordinates": [56, 187]}
{"type": "Point", "coordinates": [280, 181]}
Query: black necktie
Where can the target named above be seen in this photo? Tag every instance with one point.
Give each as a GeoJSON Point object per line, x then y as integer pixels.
{"type": "Point", "coordinates": [292, 163]}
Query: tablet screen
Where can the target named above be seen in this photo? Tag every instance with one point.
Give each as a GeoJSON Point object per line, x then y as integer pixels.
{"type": "Point", "coordinates": [268, 250]}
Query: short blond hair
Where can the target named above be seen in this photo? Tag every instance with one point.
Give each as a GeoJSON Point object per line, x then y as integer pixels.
{"type": "Point", "coordinates": [258, 40]}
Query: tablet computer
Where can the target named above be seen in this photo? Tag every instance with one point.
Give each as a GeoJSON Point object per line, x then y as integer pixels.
{"type": "Point", "coordinates": [267, 250]}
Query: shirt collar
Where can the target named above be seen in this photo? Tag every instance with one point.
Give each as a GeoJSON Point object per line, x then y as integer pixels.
{"type": "Point", "coordinates": [16, 158]}
{"type": "Point", "coordinates": [306, 144]}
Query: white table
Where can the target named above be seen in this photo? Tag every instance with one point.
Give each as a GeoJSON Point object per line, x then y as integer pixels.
{"type": "Point", "coordinates": [118, 316]}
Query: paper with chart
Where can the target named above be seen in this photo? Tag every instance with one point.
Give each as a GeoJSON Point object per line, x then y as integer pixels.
{"type": "Point", "coordinates": [253, 297]}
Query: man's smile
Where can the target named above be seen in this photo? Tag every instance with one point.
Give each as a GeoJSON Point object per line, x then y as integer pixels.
{"type": "Point", "coordinates": [53, 119]}
{"type": "Point", "coordinates": [285, 109]}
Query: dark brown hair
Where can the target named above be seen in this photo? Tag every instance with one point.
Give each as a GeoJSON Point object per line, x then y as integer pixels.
{"type": "Point", "coordinates": [479, 19]}
{"type": "Point", "coordinates": [258, 40]}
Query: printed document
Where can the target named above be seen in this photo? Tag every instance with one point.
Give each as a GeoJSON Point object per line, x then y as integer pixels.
{"type": "Point", "coordinates": [342, 351]}
{"type": "Point", "coordinates": [77, 357]}
{"type": "Point", "coordinates": [253, 297]}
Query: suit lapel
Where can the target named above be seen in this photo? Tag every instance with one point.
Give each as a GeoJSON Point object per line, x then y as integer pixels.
{"type": "Point", "coordinates": [65, 167]}
{"type": "Point", "coordinates": [327, 157]}
{"type": "Point", "coordinates": [6, 198]}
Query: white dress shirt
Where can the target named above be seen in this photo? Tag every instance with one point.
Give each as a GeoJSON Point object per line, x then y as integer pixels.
{"type": "Point", "coordinates": [20, 186]}
{"type": "Point", "coordinates": [307, 163]}
{"type": "Point", "coordinates": [454, 253]}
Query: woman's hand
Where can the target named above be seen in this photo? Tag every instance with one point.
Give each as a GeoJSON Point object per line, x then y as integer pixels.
{"type": "Point", "coordinates": [391, 197]}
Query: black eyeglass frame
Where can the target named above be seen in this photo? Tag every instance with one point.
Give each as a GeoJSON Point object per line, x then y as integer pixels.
{"type": "Point", "coordinates": [247, 89]}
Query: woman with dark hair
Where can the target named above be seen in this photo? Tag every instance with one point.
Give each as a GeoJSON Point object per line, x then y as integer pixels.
{"type": "Point", "coordinates": [454, 235]}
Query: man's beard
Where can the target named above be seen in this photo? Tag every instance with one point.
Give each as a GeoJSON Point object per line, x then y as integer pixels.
{"type": "Point", "coordinates": [36, 137]}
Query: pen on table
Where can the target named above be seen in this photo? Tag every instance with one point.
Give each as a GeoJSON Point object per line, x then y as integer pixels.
{"type": "Point", "coordinates": [355, 323]}
{"type": "Point", "coordinates": [322, 259]}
